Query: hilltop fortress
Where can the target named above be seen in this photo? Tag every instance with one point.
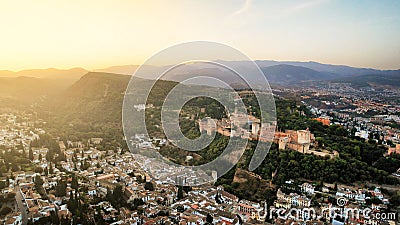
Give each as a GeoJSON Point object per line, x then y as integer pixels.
{"type": "Point", "coordinates": [247, 126]}
{"type": "Point", "coordinates": [301, 141]}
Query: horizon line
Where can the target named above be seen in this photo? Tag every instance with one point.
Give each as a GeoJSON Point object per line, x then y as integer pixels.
{"type": "Point", "coordinates": [256, 60]}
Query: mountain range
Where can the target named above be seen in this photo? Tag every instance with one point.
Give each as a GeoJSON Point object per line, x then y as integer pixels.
{"type": "Point", "coordinates": [22, 90]}
{"type": "Point", "coordinates": [285, 73]}
{"type": "Point", "coordinates": [50, 73]}
{"type": "Point", "coordinates": [32, 84]}
{"type": "Point", "coordinates": [329, 68]}
{"type": "Point", "coordinates": [93, 102]}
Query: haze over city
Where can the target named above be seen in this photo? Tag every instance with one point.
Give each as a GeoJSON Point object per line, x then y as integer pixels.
{"type": "Point", "coordinates": [99, 34]}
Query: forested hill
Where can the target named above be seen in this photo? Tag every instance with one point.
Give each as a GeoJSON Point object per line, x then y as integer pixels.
{"type": "Point", "coordinates": [21, 92]}
{"type": "Point", "coordinates": [292, 75]}
{"type": "Point", "coordinates": [90, 107]}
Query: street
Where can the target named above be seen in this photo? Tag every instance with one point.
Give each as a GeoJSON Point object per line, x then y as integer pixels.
{"type": "Point", "coordinates": [22, 208]}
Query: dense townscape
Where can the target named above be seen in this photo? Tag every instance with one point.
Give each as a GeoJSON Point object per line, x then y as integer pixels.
{"type": "Point", "coordinates": [80, 182]}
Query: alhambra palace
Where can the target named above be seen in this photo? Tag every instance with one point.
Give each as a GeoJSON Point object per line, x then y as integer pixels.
{"type": "Point", "coordinates": [245, 126]}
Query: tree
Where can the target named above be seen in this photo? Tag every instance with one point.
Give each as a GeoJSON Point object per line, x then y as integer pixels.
{"type": "Point", "coordinates": [180, 192]}
{"type": "Point", "coordinates": [74, 182]}
{"type": "Point", "coordinates": [374, 200]}
{"type": "Point", "coordinates": [51, 171]}
{"type": "Point", "coordinates": [209, 219]}
{"type": "Point", "coordinates": [180, 208]}
{"type": "Point", "coordinates": [217, 198]}
{"type": "Point", "coordinates": [72, 203]}
{"type": "Point", "coordinates": [109, 194]}
{"type": "Point", "coordinates": [75, 155]}
{"type": "Point", "coordinates": [187, 188]}
{"type": "Point", "coordinates": [137, 202]}
{"type": "Point", "coordinates": [11, 195]}
{"type": "Point", "coordinates": [54, 217]}
{"type": "Point", "coordinates": [65, 221]}
{"type": "Point", "coordinates": [99, 217]}
{"type": "Point", "coordinates": [30, 154]}
{"type": "Point", "coordinates": [35, 143]}
{"type": "Point", "coordinates": [319, 185]}
{"type": "Point", "coordinates": [38, 169]}
{"type": "Point", "coordinates": [118, 195]}
{"type": "Point", "coordinates": [5, 210]}
{"type": "Point", "coordinates": [389, 164]}
{"type": "Point", "coordinates": [61, 188]}
{"type": "Point", "coordinates": [15, 168]}
{"type": "Point", "coordinates": [38, 182]}
{"type": "Point", "coordinates": [49, 156]}
{"type": "Point", "coordinates": [85, 165]}
{"type": "Point", "coordinates": [2, 184]}
{"type": "Point", "coordinates": [395, 200]}
{"type": "Point", "coordinates": [149, 186]}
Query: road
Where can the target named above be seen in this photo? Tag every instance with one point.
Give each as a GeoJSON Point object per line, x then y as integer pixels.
{"type": "Point", "coordinates": [22, 208]}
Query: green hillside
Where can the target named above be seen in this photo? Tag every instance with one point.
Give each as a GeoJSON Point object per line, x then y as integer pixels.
{"type": "Point", "coordinates": [21, 92]}
{"type": "Point", "coordinates": [90, 107]}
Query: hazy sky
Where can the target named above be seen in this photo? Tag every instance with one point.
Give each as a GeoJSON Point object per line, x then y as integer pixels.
{"type": "Point", "coordinates": [98, 34]}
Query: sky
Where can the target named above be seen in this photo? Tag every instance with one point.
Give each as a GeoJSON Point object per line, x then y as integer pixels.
{"type": "Point", "coordinates": [98, 34]}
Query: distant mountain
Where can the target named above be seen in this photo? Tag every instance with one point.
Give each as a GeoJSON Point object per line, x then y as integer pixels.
{"type": "Point", "coordinates": [149, 71]}
{"type": "Point", "coordinates": [123, 69]}
{"type": "Point", "coordinates": [372, 80]}
{"type": "Point", "coordinates": [71, 75]}
{"type": "Point", "coordinates": [283, 74]}
{"type": "Point", "coordinates": [277, 72]}
{"type": "Point", "coordinates": [177, 74]}
{"type": "Point", "coordinates": [335, 69]}
{"type": "Point", "coordinates": [28, 89]}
